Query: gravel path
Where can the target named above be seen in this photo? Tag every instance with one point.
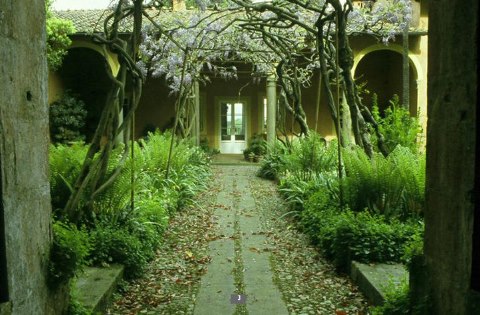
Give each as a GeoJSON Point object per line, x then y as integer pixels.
{"type": "Point", "coordinates": [238, 246]}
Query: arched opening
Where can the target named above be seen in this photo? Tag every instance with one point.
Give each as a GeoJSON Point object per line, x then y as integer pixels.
{"type": "Point", "coordinates": [381, 70]}
{"type": "Point", "coordinates": [84, 72]}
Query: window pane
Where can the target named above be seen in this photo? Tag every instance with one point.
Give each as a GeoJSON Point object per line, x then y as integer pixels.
{"type": "Point", "coordinates": [239, 122]}
{"type": "Point", "coordinates": [226, 121]}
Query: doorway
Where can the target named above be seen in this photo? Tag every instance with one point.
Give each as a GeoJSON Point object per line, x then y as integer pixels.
{"type": "Point", "coordinates": [232, 126]}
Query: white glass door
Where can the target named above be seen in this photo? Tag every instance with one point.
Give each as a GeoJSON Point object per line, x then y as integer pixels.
{"type": "Point", "coordinates": [232, 127]}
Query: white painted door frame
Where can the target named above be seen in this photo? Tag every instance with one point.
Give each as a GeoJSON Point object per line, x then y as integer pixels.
{"type": "Point", "coordinates": [232, 145]}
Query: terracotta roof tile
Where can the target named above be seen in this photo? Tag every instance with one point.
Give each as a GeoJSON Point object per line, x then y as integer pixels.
{"type": "Point", "coordinates": [90, 21]}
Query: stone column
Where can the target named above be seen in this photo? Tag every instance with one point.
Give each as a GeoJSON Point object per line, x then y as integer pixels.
{"type": "Point", "coordinates": [271, 108]}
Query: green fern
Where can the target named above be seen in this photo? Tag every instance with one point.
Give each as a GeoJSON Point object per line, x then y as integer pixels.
{"type": "Point", "coordinates": [65, 165]}
{"type": "Point", "coordinates": [392, 186]}
{"type": "Point", "coordinates": [396, 125]}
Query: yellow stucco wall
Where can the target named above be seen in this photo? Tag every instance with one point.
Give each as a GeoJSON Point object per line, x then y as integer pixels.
{"type": "Point", "coordinates": [418, 58]}
{"type": "Point", "coordinates": [156, 107]}
{"type": "Point", "coordinates": [55, 87]}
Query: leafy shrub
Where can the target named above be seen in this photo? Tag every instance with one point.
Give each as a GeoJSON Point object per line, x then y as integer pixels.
{"type": "Point", "coordinates": [397, 301]}
{"type": "Point", "coordinates": [317, 208]}
{"type": "Point", "coordinates": [67, 118]}
{"type": "Point", "coordinates": [116, 197]}
{"type": "Point", "coordinates": [304, 159]}
{"type": "Point", "coordinates": [257, 147]}
{"type": "Point", "coordinates": [117, 244]}
{"type": "Point", "coordinates": [118, 233]}
{"type": "Point", "coordinates": [344, 236]}
{"type": "Point", "coordinates": [68, 253]}
{"type": "Point", "coordinates": [396, 125]}
{"type": "Point", "coordinates": [413, 248]}
{"type": "Point", "coordinates": [152, 209]}
{"type": "Point", "coordinates": [370, 239]}
{"type": "Point", "coordinates": [273, 162]}
{"type": "Point", "coordinates": [411, 169]}
{"type": "Point", "coordinates": [296, 191]}
{"type": "Point", "coordinates": [130, 237]}
{"type": "Point", "coordinates": [58, 40]}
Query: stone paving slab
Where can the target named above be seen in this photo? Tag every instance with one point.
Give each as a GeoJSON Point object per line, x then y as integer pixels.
{"type": "Point", "coordinates": [96, 285]}
{"type": "Point", "coordinates": [374, 279]}
{"type": "Point", "coordinates": [237, 215]}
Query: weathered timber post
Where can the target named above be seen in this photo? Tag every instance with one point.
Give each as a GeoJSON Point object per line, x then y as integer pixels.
{"type": "Point", "coordinates": [452, 158]}
{"type": "Point", "coordinates": [24, 139]}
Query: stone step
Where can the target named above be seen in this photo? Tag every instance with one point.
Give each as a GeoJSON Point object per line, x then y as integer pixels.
{"type": "Point", "coordinates": [95, 287]}
{"type": "Point", "coordinates": [374, 279]}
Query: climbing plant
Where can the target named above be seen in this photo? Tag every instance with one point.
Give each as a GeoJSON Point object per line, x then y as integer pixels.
{"type": "Point", "coordinates": [296, 36]}
{"type": "Point", "coordinates": [328, 24]}
{"type": "Point", "coordinates": [126, 85]}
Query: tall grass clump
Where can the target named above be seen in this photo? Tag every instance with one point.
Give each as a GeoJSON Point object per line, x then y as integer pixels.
{"type": "Point", "coordinates": [396, 124]}
{"type": "Point", "coordinates": [310, 156]}
{"type": "Point", "coordinates": [303, 159]}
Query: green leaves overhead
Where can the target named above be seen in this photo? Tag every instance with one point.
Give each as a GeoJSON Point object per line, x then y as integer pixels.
{"type": "Point", "coordinates": [57, 38]}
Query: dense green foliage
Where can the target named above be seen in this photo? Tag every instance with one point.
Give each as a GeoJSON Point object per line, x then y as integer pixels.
{"type": "Point", "coordinates": [397, 301]}
{"type": "Point", "coordinates": [273, 162]}
{"type": "Point", "coordinates": [257, 148]}
{"type": "Point", "coordinates": [397, 125]}
{"type": "Point", "coordinates": [309, 157]}
{"type": "Point", "coordinates": [67, 118]}
{"type": "Point", "coordinates": [118, 233]}
{"type": "Point", "coordinates": [344, 236]}
{"type": "Point", "coordinates": [413, 249]}
{"type": "Point", "coordinates": [393, 186]}
{"type": "Point", "coordinates": [68, 253]}
{"type": "Point", "coordinates": [304, 159]}
{"type": "Point", "coordinates": [57, 38]}
{"type": "Point", "coordinates": [382, 197]}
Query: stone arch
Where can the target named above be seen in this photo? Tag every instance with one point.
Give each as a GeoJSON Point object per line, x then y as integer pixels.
{"type": "Point", "coordinates": [85, 73]}
{"type": "Point", "coordinates": [110, 58]}
{"type": "Point", "coordinates": [372, 57]}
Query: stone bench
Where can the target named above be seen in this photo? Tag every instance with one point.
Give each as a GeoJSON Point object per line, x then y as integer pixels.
{"type": "Point", "coordinates": [374, 279]}
{"type": "Point", "coordinates": [95, 287]}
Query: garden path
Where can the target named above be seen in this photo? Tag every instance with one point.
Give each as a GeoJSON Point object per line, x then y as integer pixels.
{"type": "Point", "coordinates": [239, 239]}
{"type": "Point", "coordinates": [239, 277]}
